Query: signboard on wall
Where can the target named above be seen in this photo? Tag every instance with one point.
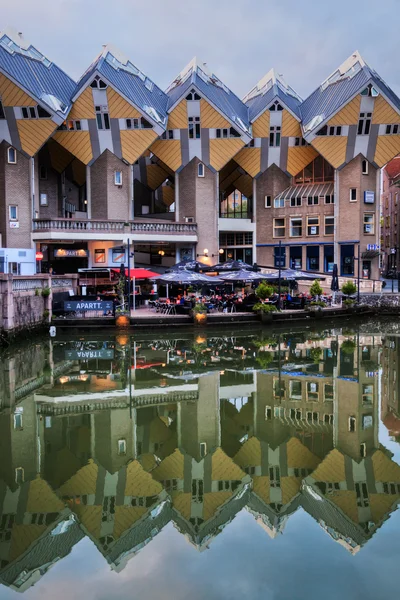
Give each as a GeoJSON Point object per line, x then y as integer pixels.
{"type": "Point", "coordinates": [104, 353]}
{"type": "Point", "coordinates": [86, 305]}
{"type": "Point", "coordinates": [118, 256]}
{"type": "Point", "coordinates": [369, 197]}
{"type": "Point", "coordinates": [14, 224]}
{"type": "Point", "coordinates": [70, 253]}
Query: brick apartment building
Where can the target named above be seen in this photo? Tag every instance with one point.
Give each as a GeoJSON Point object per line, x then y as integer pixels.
{"type": "Point", "coordinates": [390, 240]}
{"type": "Point", "coordinates": [190, 172]}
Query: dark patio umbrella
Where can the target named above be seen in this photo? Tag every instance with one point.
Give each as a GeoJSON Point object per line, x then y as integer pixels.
{"type": "Point", "coordinates": [335, 279]}
{"type": "Point", "coordinates": [294, 275]}
{"type": "Point", "coordinates": [190, 265]}
{"type": "Point", "coordinates": [231, 265]}
{"type": "Point", "coordinates": [243, 275]}
{"type": "Point", "coordinates": [187, 277]}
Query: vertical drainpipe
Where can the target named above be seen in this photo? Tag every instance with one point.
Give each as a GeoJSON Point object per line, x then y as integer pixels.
{"type": "Point", "coordinates": [88, 193]}
{"type": "Point", "coordinates": [217, 188]}
{"type": "Point", "coordinates": [32, 166]}
{"type": "Point", "coordinates": [254, 220]}
{"type": "Point", "coordinates": [378, 215]}
{"type": "Point", "coordinates": [337, 216]}
{"type": "Point", "coordinates": [131, 194]}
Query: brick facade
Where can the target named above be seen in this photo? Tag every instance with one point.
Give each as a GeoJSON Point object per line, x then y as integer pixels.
{"type": "Point", "coordinates": [108, 200]}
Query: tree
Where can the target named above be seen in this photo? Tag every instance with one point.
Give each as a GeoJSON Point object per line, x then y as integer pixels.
{"type": "Point", "coordinates": [316, 289]}
{"type": "Point", "coordinates": [264, 291]}
{"type": "Point", "coordinates": [349, 288]}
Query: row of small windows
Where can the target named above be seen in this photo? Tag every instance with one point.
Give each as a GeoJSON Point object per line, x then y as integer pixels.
{"type": "Point", "coordinates": [140, 123]}
{"type": "Point", "coordinates": [35, 112]}
{"type": "Point", "coordinates": [392, 129]}
{"type": "Point", "coordinates": [71, 125]}
{"type": "Point", "coordinates": [299, 141]}
{"type": "Point", "coordinates": [227, 133]}
{"type": "Point", "coordinates": [276, 106]}
{"type": "Point", "coordinates": [296, 414]}
{"type": "Point", "coordinates": [192, 95]}
{"type": "Point", "coordinates": [325, 130]}
{"type": "Point", "coordinates": [296, 226]}
{"type": "Point", "coordinates": [297, 201]}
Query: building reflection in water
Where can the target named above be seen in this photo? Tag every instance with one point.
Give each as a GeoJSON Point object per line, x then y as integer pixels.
{"type": "Point", "coordinates": [113, 440]}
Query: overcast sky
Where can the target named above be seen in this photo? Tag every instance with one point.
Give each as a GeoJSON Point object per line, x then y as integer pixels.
{"type": "Point", "coordinates": [305, 40]}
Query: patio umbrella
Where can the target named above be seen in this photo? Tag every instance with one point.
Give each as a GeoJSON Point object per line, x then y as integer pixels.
{"type": "Point", "coordinates": [243, 275]}
{"type": "Point", "coordinates": [231, 265]}
{"type": "Point", "coordinates": [190, 265]}
{"type": "Point", "coordinates": [184, 277]}
{"type": "Point", "coordinates": [292, 274]}
{"type": "Point", "coordinates": [335, 282]}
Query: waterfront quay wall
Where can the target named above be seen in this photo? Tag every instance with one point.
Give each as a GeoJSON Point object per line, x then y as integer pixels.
{"type": "Point", "coordinates": [26, 302]}
{"type": "Point", "coordinates": [382, 303]}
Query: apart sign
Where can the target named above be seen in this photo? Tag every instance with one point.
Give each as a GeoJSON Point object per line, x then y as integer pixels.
{"type": "Point", "coordinates": [85, 305]}
{"type": "Point", "coordinates": [70, 252]}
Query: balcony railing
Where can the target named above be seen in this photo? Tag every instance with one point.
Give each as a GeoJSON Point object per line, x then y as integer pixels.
{"type": "Point", "coordinates": [114, 226]}
{"type": "Point", "coordinates": [167, 227]}
{"type": "Point", "coordinates": [76, 225]}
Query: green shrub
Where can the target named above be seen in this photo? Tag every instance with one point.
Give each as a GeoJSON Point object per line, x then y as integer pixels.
{"type": "Point", "coordinates": [316, 289]}
{"type": "Point", "coordinates": [315, 354]}
{"type": "Point", "coordinates": [46, 314]}
{"type": "Point", "coordinates": [46, 292]}
{"type": "Point", "coordinates": [349, 288]}
{"type": "Point", "coordinates": [37, 292]}
{"type": "Point", "coordinates": [348, 302]}
{"type": "Point", "coordinates": [318, 303]}
{"type": "Point", "coordinates": [200, 307]}
{"type": "Point", "coordinates": [265, 308]}
{"type": "Point", "coordinates": [348, 347]}
{"type": "Point", "coordinates": [264, 359]}
{"type": "Point", "coordinates": [264, 291]}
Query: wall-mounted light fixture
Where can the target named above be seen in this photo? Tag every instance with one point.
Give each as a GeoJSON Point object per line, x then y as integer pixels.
{"type": "Point", "coordinates": [161, 252]}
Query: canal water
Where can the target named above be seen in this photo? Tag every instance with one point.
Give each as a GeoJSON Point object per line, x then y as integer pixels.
{"type": "Point", "coordinates": [202, 465]}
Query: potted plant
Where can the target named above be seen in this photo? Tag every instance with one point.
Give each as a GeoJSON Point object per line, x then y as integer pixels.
{"type": "Point", "coordinates": [348, 346]}
{"type": "Point", "coordinates": [316, 307]}
{"type": "Point", "coordinates": [265, 311]}
{"type": "Point", "coordinates": [348, 289]}
{"type": "Point", "coordinates": [264, 291]}
{"type": "Point", "coordinates": [199, 313]}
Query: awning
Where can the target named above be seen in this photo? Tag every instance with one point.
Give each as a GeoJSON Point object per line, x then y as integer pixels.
{"type": "Point", "coordinates": [370, 254]}
{"type": "Point", "coordinates": [303, 191]}
{"type": "Point", "coordinates": [138, 273]}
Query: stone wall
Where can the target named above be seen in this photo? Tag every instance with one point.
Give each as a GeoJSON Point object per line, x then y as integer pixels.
{"type": "Point", "coordinates": [22, 305]}
{"type": "Point", "coordinates": [384, 303]}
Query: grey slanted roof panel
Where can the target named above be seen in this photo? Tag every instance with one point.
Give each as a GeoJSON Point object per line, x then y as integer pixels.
{"type": "Point", "coordinates": [130, 85]}
{"type": "Point", "coordinates": [259, 103]}
{"type": "Point", "coordinates": [37, 78]}
{"type": "Point", "coordinates": [135, 89]}
{"type": "Point", "coordinates": [389, 93]}
{"type": "Point", "coordinates": [327, 101]}
{"type": "Point", "coordinates": [178, 92]}
{"type": "Point", "coordinates": [230, 105]}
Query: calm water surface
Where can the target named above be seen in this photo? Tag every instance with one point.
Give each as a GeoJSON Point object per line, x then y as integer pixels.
{"type": "Point", "coordinates": [203, 465]}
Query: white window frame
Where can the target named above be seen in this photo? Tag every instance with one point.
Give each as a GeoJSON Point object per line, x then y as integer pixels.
{"type": "Point", "coordinates": [16, 417]}
{"type": "Point", "coordinates": [118, 180]}
{"type": "Point", "coordinates": [43, 199]}
{"type": "Point", "coordinates": [351, 419]}
{"type": "Point", "coordinates": [22, 471]}
{"type": "Point", "coordinates": [102, 112]}
{"type": "Point", "coordinates": [393, 129]}
{"type": "Point", "coordinates": [16, 212]}
{"type": "Point", "coordinates": [331, 199]}
{"type": "Point", "coordinates": [275, 135]}
{"type": "Point", "coordinates": [267, 201]}
{"type": "Point", "coordinates": [121, 447]}
{"type": "Point", "coordinates": [279, 202]}
{"type": "Point", "coordinates": [317, 225]}
{"type": "Point", "coordinates": [364, 166]}
{"type": "Point", "coordinates": [279, 227]}
{"type": "Point", "coordinates": [370, 224]}
{"type": "Point", "coordinates": [351, 194]}
{"type": "Point", "coordinates": [201, 170]}
{"type": "Point", "coordinates": [203, 449]}
{"type": "Point", "coordinates": [11, 162]}
{"type": "Point", "coordinates": [298, 219]}
{"type": "Point", "coordinates": [330, 224]}
{"type": "Point", "coordinates": [296, 202]}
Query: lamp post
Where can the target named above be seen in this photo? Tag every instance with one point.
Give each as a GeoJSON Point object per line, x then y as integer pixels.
{"type": "Point", "coordinates": [280, 272]}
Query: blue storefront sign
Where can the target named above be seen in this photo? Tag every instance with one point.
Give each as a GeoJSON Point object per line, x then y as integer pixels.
{"type": "Point", "coordinates": [104, 353]}
{"type": "Point", "coordinates": [86, 305]}
{"type": "Point", "coordinates": [369, 197]}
